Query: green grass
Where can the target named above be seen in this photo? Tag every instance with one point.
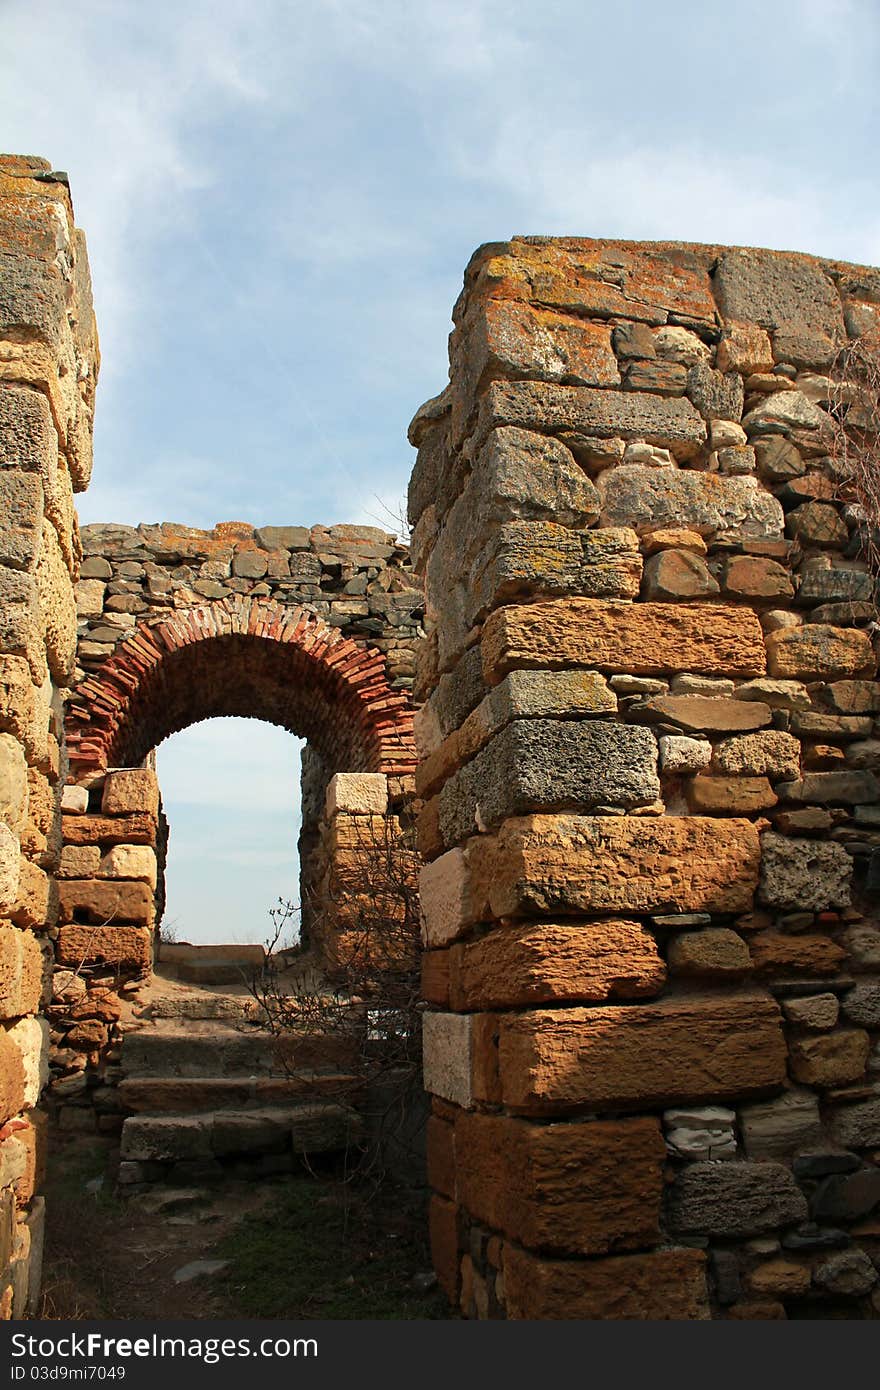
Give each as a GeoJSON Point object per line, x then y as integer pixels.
{"type": "Point", "coordinates": [326, 1249]}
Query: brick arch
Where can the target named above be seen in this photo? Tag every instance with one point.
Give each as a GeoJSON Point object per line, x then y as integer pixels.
{"type": "Point", "coordinates": [241, 656]}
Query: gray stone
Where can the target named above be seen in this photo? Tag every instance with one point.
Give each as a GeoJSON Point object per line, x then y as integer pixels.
{"type": "Point", "coordinates": [817, 1012]}
{"type": "Point", "coordinates": [96, 567]}
{"type": "Point", "coordinates": [835, 586]}
{"type": "Point", "coordinates": [633, 340]}
{"type": "Point", "coordinates": [778, 459]}
{"type": "Point", "coordinates": [672, 423]}
{"type": "Point", "coordinates": [780, 1127]}
{"type": "Point", "coordinates": [861, 1004]}
{"type": "Point", "coordinates": [857, 1126]}
{"type": "Point", "coordinates": [851, 1273]}
{"type": "Point", "coordinates": [846, 1196]}
{"type": "Point", "coordinates": [680, 754]}
{"type": "Point", "coordinates": [544, 765]}
{"type": "Point", "coordinates": [732, 1200]}
{"type": "Point", "coordinates": [717, 395]}
{"type": "Point", "coordinates": [198, 1269]}
{"type": "Point", "coordinates": [21, 516]}
{"type": "Point", "coordinates": [733, 508]}
{"type": "Point", "coordinates": [249, 564]}
{"type": "Point", "coordinates": [284, 537]}
{"type": "Point", "coordinates": [849, 788]}
{"type": "Point", "coordinates": [784, 293]}
{"type": "Point", "coordinates": [785, 410]}
{"type": "Point", "coordinates": [803, 875]}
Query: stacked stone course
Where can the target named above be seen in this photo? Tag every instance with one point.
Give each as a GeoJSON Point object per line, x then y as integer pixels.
{"type": "Point", "coordinates": [48, 367]}
{"type": "Point", "coordinates": [648, 765]}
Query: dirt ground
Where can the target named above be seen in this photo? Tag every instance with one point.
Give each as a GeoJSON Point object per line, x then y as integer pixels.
{"type": "Point", "coordinates": [305, 1245]}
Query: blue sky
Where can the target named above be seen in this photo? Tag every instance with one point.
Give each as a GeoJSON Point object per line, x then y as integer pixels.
{"type": "Point", "coordinates": [280, 199]}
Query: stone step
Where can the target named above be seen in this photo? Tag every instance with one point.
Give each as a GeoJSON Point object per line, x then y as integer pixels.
{"type": "Point", "coordinates": [230, 1007]}
{"type": "Point", "coordinates": [191, 1095]}
{"type": "Point", "coordinates": [316, 1127]}
{"type": "Point", "coordinates": [212, 1051]}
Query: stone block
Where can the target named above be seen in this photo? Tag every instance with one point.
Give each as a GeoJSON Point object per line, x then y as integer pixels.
{"type": "Point", "coordinates": [30, 1036]}
{"type": "Point", "coordinates": [10, 866]}
{"type": "Point", "coordinates": [13, 782]}
{"type": "Point", "coordinates": [35, 904]}
{"type": "Point", "coordinates": [861, 1004]}
{"type": "Point", "coordinates": [131, 791]}
{"type": "Point", "coordinates": [129, 862]}
{"type": "Point", "coordinates": [757, 579]}
{"type": "Point", "coordinates": [834, 1059]}
{"type": "Point", "coordinates": [777, 953]}
{"type": "Point", "coordinates": [717, 507]}
{"type": "Point", "coordinates": [443, 1235]}
{"type": "Point", "coordinates": [669, 1051]}
{"type": "Point", "coordinates": [680, 754]}
{"type": "Point", "coordinates": [729, 796]}
{"type": "Point", "coordinates": [79, 861]}
{"type": "Point", "coordinates": [586, 864]}
{"type": "Point", "coordinates": [643, 639]}
{"type": "Point", "coordinates": [74, 801]}
{"type": "Point", "coordinates": [785, 1125]}
{"type": "Point", "coordinates": [671, 423]}
{"type": "Point", "coordinates": [848, 788]}
{"type": "Point", "coordinates": [768, 753]}
{"type": "Point", "coordinates": [817, 652]}
{"type": "Point", "coordinates": [576, 1189]}
{"type": "Point", "coordinates": [21, 509]}
{"type": "Point", "coordinates": [447, 1057]}
{"type": "Point", "coordinates": [857, 1125]}
{"type": "Point", "coordinates": [552, 764]}
{"type": "Point", "coordinates": [108, 830]}
{"type": "Point", "coordinates": [440, 1147]}
{"type": "Point", "coordinates": [804, 875]}
{"type": "Point", "coordinates": [665, 1285]}
{"type": "Point", "coordinates": [733, 1200]}
{"type": "Point", "coordinates": [714, 953]}
{"type": "Point", "coordinates": [677, 574]}
{"type": "Point", "coordinates": [517, 339]}
{"type": "Point", "coordinates": [357, 793]}
{"type": "Point", "coordinates": [128, 948]}
{"type": "Point", "coordinates": [104, 901]}
{"type": "Point", "coordinates": [546, 962]}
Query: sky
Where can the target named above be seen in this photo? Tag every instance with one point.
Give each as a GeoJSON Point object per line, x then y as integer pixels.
{"type": "Point", "coordinates": [280, 198]}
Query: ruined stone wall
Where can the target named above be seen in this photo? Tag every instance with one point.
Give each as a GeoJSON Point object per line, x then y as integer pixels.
{"type": "Point", "coordinates": [48, 366]}
{"type": "Point", "coordinates": [648, 762]}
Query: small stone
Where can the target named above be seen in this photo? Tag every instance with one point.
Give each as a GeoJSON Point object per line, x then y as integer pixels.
{"type": "Point", "coordinates": [677, 574]}
{"type": "Point", "coordinates": [716, 952]}
{"type": "Point", "coordinates": [818, 524]}
{"type": "Point", "coordinates": [861, 1004]}
{"type": "Point", "coordinates": [817, 1013]}
{"type": "Point", "coordinates": [687, 683]}
{"type": "Point", "coordinates": [733, 1200]}
{"type": "Point", "coordinates": [804, 874]}
{"type": "Point", "coordinates": [740, 796]}
{"type": "Point", "coordinates": [768, 753]}
{"type": "Point", "coordinates": [833, 1059]}
{"type": "Point", "coordinates": [670, 538]}
{"type": "Point", "coordinates": [850, 1272]}
{"type": "Point", "coordinates": [681, 754]}
{"type": "Point", "coordinates": [197, 1269]}
{"type": "Point", "coordinates": [780, 1127]}
{"type": "Point", "coordinates": [847, 1196]}
{"type": "Point", "coordinates": [778, 694]}
{"type": "Point", "coordinates": [753, 577]}
{"type": "Point", "coordinates": [782, 1277]}
{"type": "Point", "coordinates": [778, 459]}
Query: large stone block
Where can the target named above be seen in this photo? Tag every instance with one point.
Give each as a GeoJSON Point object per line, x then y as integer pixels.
{"type": "Point", "coordinates": [513, 338]}
{"type": "Point", "coordinates": [714, 505]}
{"type": "Point", "coordinates": [21, 509]}
{"type": "Point", "coordinates": [21, 972]}
{"type": "Point", "coordinates": [804, 875]}
{"type": "Point", "coordinates": [550, 764]}
{"type": "Point", "coordinates": [594, 864]}
{"type": "Point", "coordinates": [666, 1285]}
{"type": "Point", "coordinates": [733, 1200]}
{"type": "Point", "coordinates": [137, 829]}
{"type": "Point", "coordinates": [128, 948]}
{"type": "Point", "coordinates": [643, 638]}
{"type": "Point", "coordinates": [779, 292]}
{"type": "Point", "coordinates": [579, 1189]}
{"type": "Point", "coordinates": [671, 423]}
{"type": "Point", "coordinates": [540, 558]}
{"type": "Point", "coordinates": [667, 1052]}
{"type": "Point", "coordinates": [31, 1037]}
{"type": "Point", "coordinates": [816, 652]}
{"type": "Point", "coordinates": [547, 962]}
{"type": "Point", "coordinates": [357, 793]}
{"type": "Point", "coordinates": [447, 1056]}
{"type": "Point", "coordinates": [105, 901]}
{"type": "Point", "coordinates": [27, 436]}
{"type": "Point", "coordinates": [131, 791]}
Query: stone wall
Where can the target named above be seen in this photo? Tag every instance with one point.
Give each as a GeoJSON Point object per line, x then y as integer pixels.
{"type": "Point", "coordinates": [649, 770]}
{"type": "Point", "coordinates": [48, 366]}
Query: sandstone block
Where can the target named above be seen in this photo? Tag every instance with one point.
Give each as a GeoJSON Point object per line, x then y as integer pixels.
{"type": "Point", "coordinates": [584, 864]}
{"type": "Point", "coordinates": [21, 972]}
{"type": "Point", "coordinates": [817, 524]}
{"type": "Point", "coordinates": [666, 1285]}
{"type": "Point", "coordinates": [539, 963]}
{"type": "Point", "coordinates": [131, 791]}
{"type": "Point", "coordinates": [723, 508]}
{"type": "Point", "coordinates": [715, 952]}
{"type": "Point", "coordinates": [357, 793]}
{"type": "Point", "coordinates": [732, 1200]}
{"type": "Point", "coordinates": [517, 339]}
{"type": "Point", "coordinates": [744, 348]}
{"type": "Point", "coordinates": [79, 861]}
{"type": "Point", "coordinates": [857, 1126]}
{"type": "Point", "coordinates": [804, 875]}
{"type": "Point", "coordinates": [12, 1077]}
{"type": "Point", "coordinates": [783, 1126]}
{"type": "Point", "coordinates": [74, 801]}
{"type": "Point", "coordinates": [666, 1052]}
{"type": "Point", "coordinates": [103, 901]}
{"type": "Point", "coordinates": [819, 653]}
{"type": "Point", "coordinates": [680, 754]}
{"type": "Point", "coordinates": [30, 1036]}
{"type": "Point", "coordinates": [850, 788]}
{"type": "Point", "coordinates": [677, 574]}
{"type": "Point", "coordinates": [707, 713]}
{"type": "Point", "coordinates": [644, 638]}
{"type": "Point", "coordinates": [806, 953]}
{"type": "Point", "coordinates": [10, 864]}
{"type": "Point", "coordinates": [753, 577]}
{"type": "Point", "coordinates": [447, 1057]}
{"type": "Point", "coordinates": [861, 1004]}
{"type": "Point", "coordinates": [830, 1060]}
{"type": "Point", "coordinates": [545, 765]}
{"type": "Point", "coordinates": [108, 830]}
{"type": "Point", "coordinates": [816, 1013]}
{"type": "Point", "coordinates": [129, 948]}
{"type": "Point", "coordinates": [729, 796]}
{"type": "Point", "coordinates": [579, 1189]}
{"type": "Point", "coordinates": [130, 862]}
{"type": "Point", "coordinates": [34, 906]}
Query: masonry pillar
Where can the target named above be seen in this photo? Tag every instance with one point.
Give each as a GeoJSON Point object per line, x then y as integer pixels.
{"type": "Point", "coordinates": [647, 772]}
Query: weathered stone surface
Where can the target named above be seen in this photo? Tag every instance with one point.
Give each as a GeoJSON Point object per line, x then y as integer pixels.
{"type": "Point", "coordinates": [674, 574]}
{"type": "Point", "coordinates": [850, 788]}
{"type": "Point", "coordinates": [539, 963]}
{"type": "Point", "coordinates": [781, 292]}
{"type": "Point", "coordinates": [10, 860]}
{"type": "Point", "coordinates": [13, 782]}
{"type": "Point", "coordinates": [816, 1013]}
{"type": "Point", "coordinates": [103, 901]}
{"type": "Point", "coordinates": [836, 585]}
{"type": "Point", "coordinates": [664, 1285]}
{"type": "Point", "coordinates": [769, 753]}
{"type": "Point", "coordinates": [715, 952]}
{"type": "Point", "coordinates": [830, 1060]}
{"type": "Point", "coordinates": [713, 505]}
{"type": "Point", "coordinates": [778, 1128]}
{"type": "Point", "coordinates": [744, 348]}
{"type": "Point", "coordinates": [847, 1196]}
{"type": "Point", "coordinates": [357, 793]}
{"type": "Point", "coordinates": [817, 524]}
{"type": "Point", "coordinates": [665, 1052]}
{"type": "Point", "coordinates": [857, 1125]}
{"type": "Point", "coordinates": [804, 953]}
{"type": "Point", "coordinates": [129, 948]}
{"type": "Point", "coordinates": [644, 639]}
{"type": "Point", "coordinates": [129, 862]}
{"type": "Point", "coordinates": [542, 558]}
{"type": "Point", "coordinates": [732, 1200]}
{"type": "Point", "coordinates": [782, 1278]}
{"type": "Point", "coordinates": [861, 1004]}
{"type": "Point", "coordinates": [93, 830]}
{"type": "Point", "coordinates": [447, 1061]}
{"type": "Point", "coordinates": [580, 1189]}
{"type": "Point", "coordinates": [709, 713]}
{"type": "Point", "coordinates": [783, 411]}
{"type": "Point", "coordinates": [524, 340]}
{"type": "Point", "coordinates": [130, 792]}
{"type": "Point", "coordinates": [729, 796]}
{"type": "Point", "coordinates": [680, 754]}
{"type": "Point", "coordinates": [755, 577]}
{"type": "Point", "coordinates": [671, 423]}
{"type": "Point", "coordinates": [545, 765]}
{"type": "Point", "coordinates": [847, 1272]}
{"type": "Point", "coordinates": [819, 653]}
{"type": "Point", "coordinates": [663, 378]}
{"type": "Point", "coordinates": [702, 1132]}
{"type": "Point", "coordinates": [74, 801]}
{"type": "Point", "coordinates": [717, 395]}
{"type": "Point", "coordinates": [803, 874]}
